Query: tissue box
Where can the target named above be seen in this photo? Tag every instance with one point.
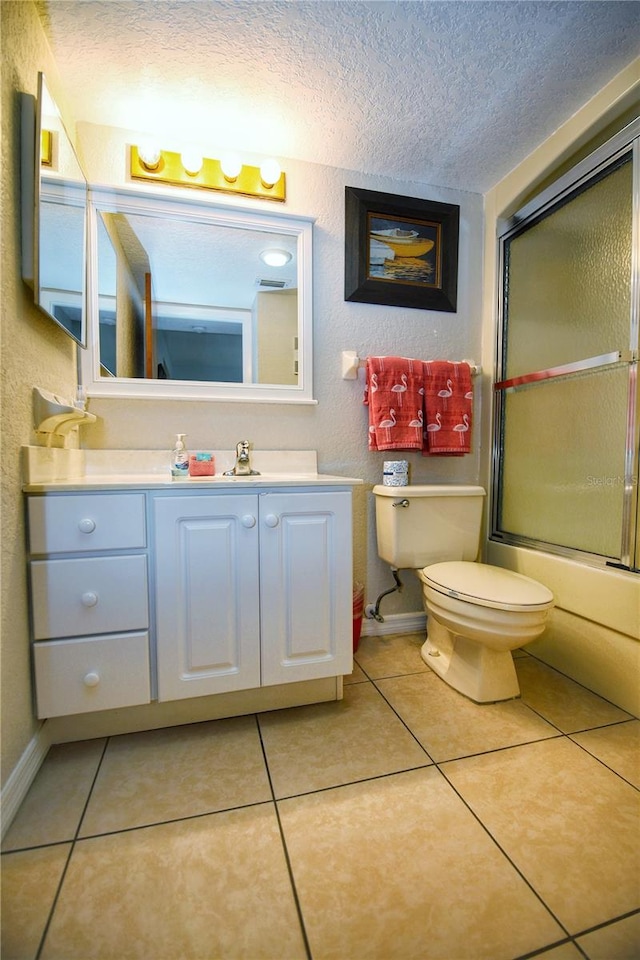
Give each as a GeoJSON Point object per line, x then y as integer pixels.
{"type": "Point", "coordinates": [201, 465]}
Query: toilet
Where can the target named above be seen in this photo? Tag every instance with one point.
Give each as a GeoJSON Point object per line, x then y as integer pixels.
{"type": "Point", "coordinates": [476, 613]}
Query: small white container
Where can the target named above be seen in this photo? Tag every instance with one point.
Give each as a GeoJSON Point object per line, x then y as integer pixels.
{"type": "Point", "coordinates": [395, 473]}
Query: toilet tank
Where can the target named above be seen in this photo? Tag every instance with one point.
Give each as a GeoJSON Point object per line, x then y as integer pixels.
{"type": "Point", "coordinates": [428, 523]}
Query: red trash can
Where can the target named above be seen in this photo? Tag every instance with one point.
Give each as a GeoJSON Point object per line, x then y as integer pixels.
{"type": "Point", "coordinates": [358, 610]}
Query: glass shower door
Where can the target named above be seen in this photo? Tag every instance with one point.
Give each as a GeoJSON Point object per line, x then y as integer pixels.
{"type": "Point", "coordinates": [566, 399]}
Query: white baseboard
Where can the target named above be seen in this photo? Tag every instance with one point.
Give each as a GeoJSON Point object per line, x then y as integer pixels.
{"type": "Point", "coordinates": [395, 623]}
{"type": "Point", "coordinates": [22, 776]}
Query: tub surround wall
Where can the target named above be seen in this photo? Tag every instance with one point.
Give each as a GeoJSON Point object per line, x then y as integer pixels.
{"type": "Point", "coordinates": [594, 630]}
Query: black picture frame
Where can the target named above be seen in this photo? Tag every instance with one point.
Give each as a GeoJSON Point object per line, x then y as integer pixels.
{"type": "Point", "coordinates": [422, 270]}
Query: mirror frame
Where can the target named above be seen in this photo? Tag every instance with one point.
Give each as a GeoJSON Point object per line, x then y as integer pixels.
{"type": "Point", "coordinates": [32, 197]}
{"type": "Point", "coordinates": [198, 211]}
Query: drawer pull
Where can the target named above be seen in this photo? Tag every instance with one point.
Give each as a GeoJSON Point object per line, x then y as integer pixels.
{"type": "Point", "coordinates": [248, 521]}
{"type": "Point", "coordinates": [92, 679]}
{"type": "Point", "coordinates": [87, 525]}
{"type": "Point", "coordinates": [89, 599]}
{"type": "Point", "coordinates": [271, 520]}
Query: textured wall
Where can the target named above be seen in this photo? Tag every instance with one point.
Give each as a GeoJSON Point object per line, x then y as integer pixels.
{"type": "Point", "coordinates": [34, 352]}
{"type": "Point", "coordinates": [337, 426]}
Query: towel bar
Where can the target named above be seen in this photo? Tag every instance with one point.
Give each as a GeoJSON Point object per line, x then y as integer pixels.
{"type": "Point", "coordinates": [351, 363]}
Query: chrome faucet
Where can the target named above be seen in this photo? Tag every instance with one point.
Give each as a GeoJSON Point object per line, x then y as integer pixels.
{"type": "Point", "coordinates": [243, 462]}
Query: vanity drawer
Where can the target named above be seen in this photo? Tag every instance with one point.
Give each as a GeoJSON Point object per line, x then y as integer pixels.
{"type": "Point", "coordinates": [72, 598]}
{"type": "Point", "coordinates": [91, 673]}
{"type": "Point", "coordinates": [75, 523]}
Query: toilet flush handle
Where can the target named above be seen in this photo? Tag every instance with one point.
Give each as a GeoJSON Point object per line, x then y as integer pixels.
{"type": "Point", "coordinates": [400, 503]}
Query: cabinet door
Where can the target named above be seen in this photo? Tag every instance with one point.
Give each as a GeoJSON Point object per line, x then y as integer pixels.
{"type": "Point", "coordinates": [207, 606]}
{"type": "Point", "coordinates": [306, 586]}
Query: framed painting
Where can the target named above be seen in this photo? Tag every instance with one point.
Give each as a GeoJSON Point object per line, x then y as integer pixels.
{"type": "Point", "coordinates": [401, 251]}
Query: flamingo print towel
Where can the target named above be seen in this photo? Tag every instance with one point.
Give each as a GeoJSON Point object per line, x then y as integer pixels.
{"type": "Point", "coordinates": [418, 405]}
{"type": "Point", "coordinates": [448, 399]}
{"type": "Point", "coordinates": [394, 392]}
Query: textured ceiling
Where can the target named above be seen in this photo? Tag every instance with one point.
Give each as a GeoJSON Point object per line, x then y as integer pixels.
{"type": "Point", "coordinates": [449, 93]}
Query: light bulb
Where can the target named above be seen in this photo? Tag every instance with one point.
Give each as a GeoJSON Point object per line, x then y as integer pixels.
{"type": "Point", "coordinates": [275, 258]}
{"type": "Point", "coordinates": [270, 172]}
{"type": "Point", "coordinates": [231, 165]}
{"type": "Point", "coordinates": [150, 155]}
{"type": "Point", "coordinates": [192, 161]}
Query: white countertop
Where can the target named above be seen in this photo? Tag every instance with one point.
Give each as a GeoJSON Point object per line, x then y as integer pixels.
{"type": "Point", "coordinates": [48, 470]}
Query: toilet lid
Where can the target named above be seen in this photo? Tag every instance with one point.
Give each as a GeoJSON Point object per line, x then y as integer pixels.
{"type": "Point", "coordinates": [486, 585]}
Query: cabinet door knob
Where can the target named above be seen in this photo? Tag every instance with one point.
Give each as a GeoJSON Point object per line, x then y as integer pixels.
{"type": "Point", "coordinates": [92, 679]}
{"type": "Point", "coordinates": [271, 520]}
{"type": "Point", "coordinates": [248, 520]}
{"type": "Point", "coordinates": [89, 599]}
{"type": "Point", "coordinates": [87, 525]}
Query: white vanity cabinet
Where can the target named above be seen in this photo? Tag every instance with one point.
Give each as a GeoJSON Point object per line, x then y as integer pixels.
{"type": "Point", "coordinates": [156, 602]}
{"type": "Point", "coordinates": [251, 589]}
{"type": "Point", "coordinates": [89, 602]}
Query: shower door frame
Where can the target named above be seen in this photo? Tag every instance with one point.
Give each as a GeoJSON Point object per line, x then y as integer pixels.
{"type": "Point", "coordinates": [579, 178]}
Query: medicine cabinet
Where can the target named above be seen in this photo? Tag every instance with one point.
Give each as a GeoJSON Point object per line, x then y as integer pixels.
{"type": "Point", "coordinates": [54, 203]}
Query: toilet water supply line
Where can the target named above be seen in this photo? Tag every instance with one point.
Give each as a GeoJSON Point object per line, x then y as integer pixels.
{"type": "Point", "coordinates": [372, 611]}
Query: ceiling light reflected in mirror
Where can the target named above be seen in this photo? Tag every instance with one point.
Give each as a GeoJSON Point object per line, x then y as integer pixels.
{"type": "Point", "coordinates": [275, 258]}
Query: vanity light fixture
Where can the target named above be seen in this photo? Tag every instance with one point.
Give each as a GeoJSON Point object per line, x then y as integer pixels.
{"type": "Point", "coordinates": [178, 170]}
{"type": "Point", "coordinates": [275, 258]}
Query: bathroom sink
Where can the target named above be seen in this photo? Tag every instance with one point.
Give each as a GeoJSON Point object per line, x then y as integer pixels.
{"type": "Point", "coordinates": [78, 469]}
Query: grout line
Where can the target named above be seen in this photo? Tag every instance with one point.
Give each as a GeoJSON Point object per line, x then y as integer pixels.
{"type": "Point", "coordinates": [164, 823]}
{"type": "Point", "coordinates": [552, 946]}
{"type": "Point", "coordinates": [599, 760]}
{"type": "Point", "coordinates": [401, 719]}
{"type": "Point", "coordinates": [607, 923]}
{"type": "Point", "coordinates": [68, 860]}
{"type": "Point", "coordinates": [294, 890]}
{"type": "Point", "coordinates": [353, 783]}
{"type": "Point", "coordinates": [504, 853]}
{"type": "Point", "coordinates": [630, 716]}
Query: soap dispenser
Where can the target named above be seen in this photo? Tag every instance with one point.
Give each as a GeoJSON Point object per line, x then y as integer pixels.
{"type": "Point", "coordinates": [180, 459]}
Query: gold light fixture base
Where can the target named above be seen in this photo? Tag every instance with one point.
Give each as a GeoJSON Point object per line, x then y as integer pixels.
{"type": "Point", "coordinates": [170, 170]}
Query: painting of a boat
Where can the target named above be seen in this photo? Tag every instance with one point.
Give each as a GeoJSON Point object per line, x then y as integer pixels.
{"type": "Point", "coordinates": [400, 251]}
{"type": "Point", "coordinates": [404, 243]}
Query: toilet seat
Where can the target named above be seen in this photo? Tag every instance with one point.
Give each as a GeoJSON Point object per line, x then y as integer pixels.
{"type": "Point", "coordinates": [486, 585]}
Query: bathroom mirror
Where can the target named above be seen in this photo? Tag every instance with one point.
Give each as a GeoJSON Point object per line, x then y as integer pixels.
{"type": "Point", "coordinates": [54, 215]}
{"type": "Point", "coordinates": [186, 301]}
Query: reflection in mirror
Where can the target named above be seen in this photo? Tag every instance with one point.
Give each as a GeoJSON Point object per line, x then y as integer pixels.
{"type": "Point", "coordinates": [197, 309]}
{"type": "Point", "coordinates": [60, 216]}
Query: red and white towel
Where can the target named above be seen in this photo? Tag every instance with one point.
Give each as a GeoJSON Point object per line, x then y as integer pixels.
{"type": "Point", "coordinates": [394, 392]}
{"type": "Point", "coordinates": [448, 401]}
{"type": "Point", "coordinates": [417, 405]}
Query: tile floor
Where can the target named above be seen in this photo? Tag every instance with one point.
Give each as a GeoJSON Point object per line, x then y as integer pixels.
{"type": "Point", "coordinates": [403, 822]}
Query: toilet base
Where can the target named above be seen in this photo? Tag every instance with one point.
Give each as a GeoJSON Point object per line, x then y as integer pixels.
{"type": "Point", "coordinates": [480, 673]}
